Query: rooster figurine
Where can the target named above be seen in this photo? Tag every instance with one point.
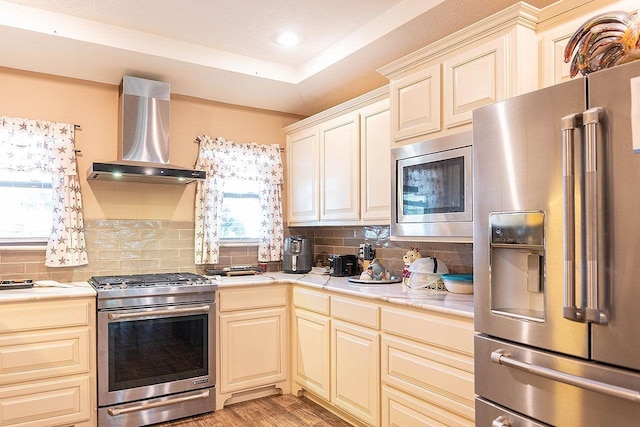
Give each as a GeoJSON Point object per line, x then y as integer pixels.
{"type": "Point", "coordinates": [603, 41]}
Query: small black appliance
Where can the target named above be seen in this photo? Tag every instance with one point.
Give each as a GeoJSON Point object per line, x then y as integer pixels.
{"type": "Point", "coordinates": [343, 265]}
{"type": "Point", "coordinates": [298, 256]}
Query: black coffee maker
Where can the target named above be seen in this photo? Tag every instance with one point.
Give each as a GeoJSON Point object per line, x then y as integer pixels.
{"type": "Point", "coordinates": [298, 256]}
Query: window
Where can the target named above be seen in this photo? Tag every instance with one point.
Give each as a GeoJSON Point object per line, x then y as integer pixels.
{"type": "Point", "coordinates": [240, 212]}
{"type": "Point", "coordinates": [28, 215]}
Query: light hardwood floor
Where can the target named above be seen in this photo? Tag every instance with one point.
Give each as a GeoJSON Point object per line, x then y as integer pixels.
{"type": "Point", "coordinates": [272, 411]}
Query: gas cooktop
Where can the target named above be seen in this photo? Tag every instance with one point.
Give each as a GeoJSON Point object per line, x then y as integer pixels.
{"type": "Point", "coordinates": [154, 280]}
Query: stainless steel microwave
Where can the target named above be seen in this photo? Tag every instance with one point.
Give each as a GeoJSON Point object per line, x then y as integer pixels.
{"type": "Point", "coordinates": [432, 197]}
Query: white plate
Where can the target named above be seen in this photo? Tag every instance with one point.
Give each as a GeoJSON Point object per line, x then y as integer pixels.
{"type": "Point", "coordinates": [375, 282]}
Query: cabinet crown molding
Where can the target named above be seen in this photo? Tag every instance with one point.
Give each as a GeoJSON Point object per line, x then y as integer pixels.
{"type": "Point", "coordinates": [521, 13]}
{"type": "Point", "coordinates": [351, 105]}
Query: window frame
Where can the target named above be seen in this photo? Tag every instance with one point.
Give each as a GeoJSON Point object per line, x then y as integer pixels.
{"type": "Point", "coordinates": [22, 242]}
{"type": "Point", "coordinates": [241, 241]}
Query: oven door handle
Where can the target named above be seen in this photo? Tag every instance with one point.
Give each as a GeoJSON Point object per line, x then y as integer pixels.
{"type": "Point", "coordinates": [136, 315]}
{"type": "Point", "coordinates": [114, 412]}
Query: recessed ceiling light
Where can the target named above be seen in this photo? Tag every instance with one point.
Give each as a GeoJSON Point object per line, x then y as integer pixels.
{"type": "Point", "coordinates": [288, 39]}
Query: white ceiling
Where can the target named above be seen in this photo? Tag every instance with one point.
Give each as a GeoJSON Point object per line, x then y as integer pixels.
{"type": "Point", "coordinates": [225, 50]}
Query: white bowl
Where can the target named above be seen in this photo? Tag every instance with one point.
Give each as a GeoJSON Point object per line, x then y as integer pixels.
{"type": "Point", "coordinates": [458, 283]}
{"type": "Point", "coordinates": [424, 280]}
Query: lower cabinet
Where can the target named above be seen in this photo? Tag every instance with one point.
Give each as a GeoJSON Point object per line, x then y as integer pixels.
{"type": "Point", "coordinates": [427, 369]}
{"type": "Point", "coordinates": [311, 353]}
{"type": "Point", "coordinates": [252, 341]}
{"type": "Point", "coordinates": [381, 364]}
{"type": "Point", "coordinates": [337, 352]}
{"type": "Point", "coordinates": [311, 341]}
{"type": "Point", "coordinates": [47, 363]}
{"type": "Point", "coordinates": [355, 367]}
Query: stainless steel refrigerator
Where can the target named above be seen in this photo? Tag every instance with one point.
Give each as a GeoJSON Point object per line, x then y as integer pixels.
{"type": "Point", "coordinates": [557, 254]}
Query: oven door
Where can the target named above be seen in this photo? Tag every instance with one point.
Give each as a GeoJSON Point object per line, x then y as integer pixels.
{"type": "Point", "coordinates": [152, 352]}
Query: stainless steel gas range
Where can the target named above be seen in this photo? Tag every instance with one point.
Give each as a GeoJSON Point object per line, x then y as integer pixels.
{"type": "Point", "coordinates": [156, 358]}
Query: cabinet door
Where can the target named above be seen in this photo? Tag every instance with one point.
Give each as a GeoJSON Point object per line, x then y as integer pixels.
{"type": "Point", "coordinates": [554, 69]}
{"type": "Point", "coordinates": [355, 368]}
{"type": "Point", "coordinates": [415, 103]}
{"type": "Point", "coordinates": [311, 353]}
{"type": "Point", "coordinates": [474, 78]}
{"type": "Point", "coordinates": [375, 145]}
{"type": "Point", "coordinates": [339, 168]}
{"type": "Point", "coordinates": [302, 166]}
{"type": "Point", "coordinates": [253, 349]}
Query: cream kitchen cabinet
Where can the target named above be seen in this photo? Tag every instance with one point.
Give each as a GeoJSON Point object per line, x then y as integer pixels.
{"type": "Point", "coordinates": [338, 164]}
{"type": "Point", "coordinates": [336, 352]}
{"type": "Point", "coordinates": [48, 363]}
{"type": "Point", "coordinates": [311, 340]}
{"type": "Point", "coordinates": [355, 358]}
{"type": "Point", "coordinates": [340, 168]}
{"type": "Point", "coordinates": [383, 364]}
{"type": "Point", "coordinates": [303, 169]}
{"type": "Point", "coordinates": [427, 368]}
{"type": "Point", "coordinates": [375, 165]}
{"type": "Point", "coordinates": [252, 342]}
{"type": "Point", "coordinates": [435, 89]}
{"type": "Point", "coordinates": [415, 102]}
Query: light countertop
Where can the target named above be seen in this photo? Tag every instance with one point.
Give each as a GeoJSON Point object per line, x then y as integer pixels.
{"type": "Point", "coordinates": [441, 301]}
{"type": "Point", "coordinates": [48, 290]}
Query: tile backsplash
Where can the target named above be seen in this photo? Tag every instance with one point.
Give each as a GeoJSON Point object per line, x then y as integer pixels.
{"type": "Point", "coordinates": [147, 246]}
{"type": "Point", "coordinates": [458, 257]}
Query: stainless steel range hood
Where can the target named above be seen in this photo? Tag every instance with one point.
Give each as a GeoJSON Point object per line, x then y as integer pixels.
{"type": "Point", "coordinates": [143, 138]}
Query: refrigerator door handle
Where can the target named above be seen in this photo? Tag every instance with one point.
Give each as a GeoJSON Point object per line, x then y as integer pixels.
{"type": "Point", "coordinates": [501, 357]}
{"type": "Point", "coordinates": [593, 215]}
{"type": "Point", "coordinates": [568, 126]}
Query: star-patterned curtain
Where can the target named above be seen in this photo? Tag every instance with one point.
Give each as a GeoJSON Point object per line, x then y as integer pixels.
{"type": "Point", "coordinates": [223, 159]}
{"type": "Point", "coordinates": [27, 145]}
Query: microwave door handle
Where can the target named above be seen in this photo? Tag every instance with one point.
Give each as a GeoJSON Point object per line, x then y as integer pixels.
{"type": "Point", "coordinates": [569, 124]}
{"type": "Point", "coordinates": [593, 215]}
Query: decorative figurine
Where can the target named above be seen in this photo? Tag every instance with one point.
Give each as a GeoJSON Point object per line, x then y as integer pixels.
{"type": "Point", "coordinates": [411, 255]}
{"type": "Point", "coordinates": [375, 271]}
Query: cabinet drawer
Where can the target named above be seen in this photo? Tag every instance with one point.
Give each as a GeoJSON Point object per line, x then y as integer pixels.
{"type": "Point", "coordinates": [252, 297]}
{"type": "Point", "coordinates": [43, 355]}
{"type": "Point", "coordinates": [312, 301]}
{"type": "Point", "coordinates": [440, 329]}
{"type": "Point", "coordinates": [423, 371]}
{"type": "Point", "coordinates": [56, 402]}
{"type": "Point", "coordinates": [52, 314]}
{"type": "Point", "coordinates": [354, 311]}
{"type": "Point", "coordinates": [400, 409]}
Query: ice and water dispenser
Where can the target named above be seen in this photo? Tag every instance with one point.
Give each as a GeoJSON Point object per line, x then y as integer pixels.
{"type": "Point", "coordinates": [517, 264]}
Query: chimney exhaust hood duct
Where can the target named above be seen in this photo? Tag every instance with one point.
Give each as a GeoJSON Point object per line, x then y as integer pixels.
{"type": "Point", "coordinates": [143, 138]}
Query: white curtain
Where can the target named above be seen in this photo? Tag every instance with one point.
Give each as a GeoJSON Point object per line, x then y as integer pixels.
{"type": "Point", "coordinates": [223, 159]}
{"type": "Point", "coordinates": [29, 145]}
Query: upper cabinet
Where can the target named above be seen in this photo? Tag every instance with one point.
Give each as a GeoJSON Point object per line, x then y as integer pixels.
{"type": "Point", "coordinates": [435, 89]}
{"type": "Point", "coordinates": [340, 168]}
{"type": "Point", "coordinates": [338, 164]}
{"type": "Point", "coordinates": [302, 175]}
{"type": "Point", "coordinates": [415, 101]}
{"type": "Point", "coordinates": [375, 166]}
